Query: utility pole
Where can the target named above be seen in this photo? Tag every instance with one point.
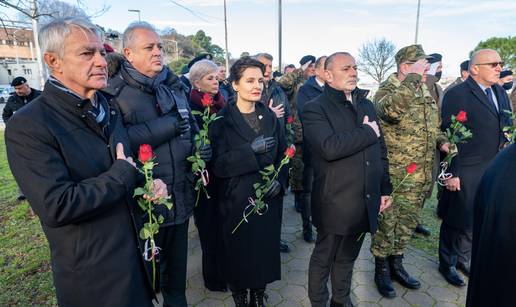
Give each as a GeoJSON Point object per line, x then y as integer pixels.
{"type": "Point", "coordinates": [226, 38]}
{"type": "Point", "coordinates": [417, 19]}
{"type": "Point", "coordinates": [36, 42]}
{"type": "Point", "coordinates": [137, 11]}
{"type": "Point", "coordinates": [279, 34]}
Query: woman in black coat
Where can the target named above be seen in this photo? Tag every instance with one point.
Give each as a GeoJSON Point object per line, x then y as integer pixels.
{"type": "Point", "coordinates": [203, 76]}
{"type": "Point", "coordinates": [245, 140]}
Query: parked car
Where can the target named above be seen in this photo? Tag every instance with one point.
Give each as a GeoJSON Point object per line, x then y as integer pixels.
{"type": "Point", "coordinates": [5, 91]}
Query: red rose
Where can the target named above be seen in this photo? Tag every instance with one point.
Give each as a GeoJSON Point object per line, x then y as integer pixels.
{"type": "Point", "coordinates": [290, 151]}
{"type": "Point", "coordinates": [462, 117]}
{"type": "Point", "coordinates": [411, 168]}
{"type": "Point", "coordinates": [206, 100]}
{"type": "Point", "coordinates": [290, 120]}
{"type": "Point", "coordinates": [145, 153]}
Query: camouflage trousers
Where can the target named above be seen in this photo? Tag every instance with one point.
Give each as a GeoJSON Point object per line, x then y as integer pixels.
{"type": "Point", "coordinates": [296, 170]}
{"type": "Point", "coordinates": [397, 223]}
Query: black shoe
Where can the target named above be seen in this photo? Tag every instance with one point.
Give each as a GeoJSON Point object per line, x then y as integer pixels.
{"type": "Point", "coordinates": [21, 197]}
{"type": "Point", "coordinates": [308, 234]}
{"type": "Point", "coordinates": [256, 297]}
{"type": "Point", "coordinates": [335, 304]}
{"type": "Point", "coordinates": [240, 298]}
{"type": "Point", "coordinates": [400, 274]}
{"type": "Point", "coordinates": [382, 278]}
{"type": "Point", "coordinates": [463, 267]}
{"type": "Point", "coordinates": [283, 247]}
{"type": "Point", "coordinates": [422, 230]}
{"type": "Point", "coordinates": [451, 276]}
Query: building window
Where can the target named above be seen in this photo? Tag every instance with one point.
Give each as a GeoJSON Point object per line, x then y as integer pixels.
{"type": "Point", "coordinates": [27, 71]}
{"type": "Point", "coordinates": [9, 72]}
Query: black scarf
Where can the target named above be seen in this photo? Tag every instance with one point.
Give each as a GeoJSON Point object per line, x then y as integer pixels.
{"type": "Point", "coordinates": [164, 93]}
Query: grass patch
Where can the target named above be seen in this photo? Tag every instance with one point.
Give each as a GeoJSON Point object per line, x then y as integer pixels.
{"type": "Point", "coordinates": [25, 275]}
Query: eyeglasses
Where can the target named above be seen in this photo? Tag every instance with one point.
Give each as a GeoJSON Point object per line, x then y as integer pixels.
{"type": "Point", "coordinates": [492, 64]}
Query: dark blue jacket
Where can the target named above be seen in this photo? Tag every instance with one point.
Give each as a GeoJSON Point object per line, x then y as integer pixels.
{"type": "Point", "coordinates": [307, 92]}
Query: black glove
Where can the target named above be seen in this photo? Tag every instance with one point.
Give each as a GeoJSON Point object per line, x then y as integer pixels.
{"type": "Point", "coordinates": [261, 145]}
{"type": "Point", "coordinates": [273, 189]}
{"type": "Point", "coordinates": [205, 152]}
{"type": "Point", "coordinates": [184, 126]}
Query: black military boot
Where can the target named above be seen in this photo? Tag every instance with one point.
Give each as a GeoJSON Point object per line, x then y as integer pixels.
{"type": "Point", "coordinates": [422, 230]}
{"type": "Point", "coordinates": [382, 277]}
{"type": "Point", "coordinates": [400, 275]}
{"type": "Point", "coordinates": [240, 298]}
{"type": "Point", "coordinates": [256, 297]}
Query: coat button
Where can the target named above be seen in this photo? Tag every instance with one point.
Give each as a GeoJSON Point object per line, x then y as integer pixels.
{"type": "Point", "coordinates": [78, 105]}
{"type": "Point", "coordinates": [367, 163]}
{"type": "Point", "coordinates": [368, 196]}
{"type": "Point", "coordinates": [113, 112]}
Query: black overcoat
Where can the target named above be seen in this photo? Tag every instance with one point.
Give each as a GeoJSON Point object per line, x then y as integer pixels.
{"type": "Point", "coordinates": [486, 124]}
{"type": "Point", "coordinates": [67, 167]}
{"type": "Point", "coordinates": [492, 281]}
{"type": "Point", "coordinates": [350, 163]}
{"type": "Point", "coordinates": [252, 252]}
{"type": "Point", "coordinates": [146, 124]}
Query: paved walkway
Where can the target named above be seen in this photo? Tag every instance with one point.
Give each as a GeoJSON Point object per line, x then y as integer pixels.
{"type": "Point", "coordinates": [292, 289]}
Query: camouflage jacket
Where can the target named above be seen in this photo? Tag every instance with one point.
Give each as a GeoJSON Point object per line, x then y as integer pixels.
{"type": "Point", "coordinates": [290, 83]}
{"type": "Point", "coordinates": [410, 122]}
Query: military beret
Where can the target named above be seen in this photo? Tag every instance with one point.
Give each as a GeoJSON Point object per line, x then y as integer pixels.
{"type": "Point", "coordinates": [412, 53]}
{"type": "Point", "coordinates": [464, 66]}
{"type": "Point", "coordinates": [505, 73]}
{"type": "Point", "coordinates": [204, 56]}
{"type": "Point", "coordinates": [18, 81]}
{"type": "Point", "coordinates": [436, 57]}
{"type": "Point", "coordinates": [276, 74]}
{"type": "Point", "coordinates": [306, 59]}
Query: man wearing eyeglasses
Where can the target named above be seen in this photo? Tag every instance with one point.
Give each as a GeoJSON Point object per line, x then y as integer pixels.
{"type": "Point", "coordinates": [410, 122]}
{"type": "Point", "coordinates": [482, 99]}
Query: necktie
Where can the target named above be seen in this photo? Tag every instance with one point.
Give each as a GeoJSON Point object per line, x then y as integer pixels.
{"type": "Point", "coordinates": [489, 93]}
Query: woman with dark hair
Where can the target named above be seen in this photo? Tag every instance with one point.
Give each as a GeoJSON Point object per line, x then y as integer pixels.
{"type": "Point", "coordinates": [245, 140]}
{"type": "Point", "coordinates": [205, 89]}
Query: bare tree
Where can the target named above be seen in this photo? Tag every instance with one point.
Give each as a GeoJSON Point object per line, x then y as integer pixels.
{"type": "Point", "coordinates": [376, 58]}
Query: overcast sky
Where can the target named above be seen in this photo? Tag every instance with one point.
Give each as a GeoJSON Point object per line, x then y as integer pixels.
{"type": "Point", "coordinates": [450, 27]}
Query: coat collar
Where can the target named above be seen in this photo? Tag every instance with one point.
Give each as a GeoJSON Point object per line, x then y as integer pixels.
{"type": "Point", "coordinates": [268, 121]}
{"type": "Point", "coordinates": [337, 96]}
{"type": "Point", "coordinates": [313, 83]}
{"type": "Point", "coordinates": [481, 96]}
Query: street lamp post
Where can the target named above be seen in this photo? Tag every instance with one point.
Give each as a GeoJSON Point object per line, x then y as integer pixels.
{"type": "Point", "coordinates": [137, 11]}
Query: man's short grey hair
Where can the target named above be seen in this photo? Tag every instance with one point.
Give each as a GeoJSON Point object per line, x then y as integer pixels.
{"type": "Point", "coordinates": [331, 58]}
{"type": "Point", "coordinates": [129, 32]}
{"type": "Point", "coordinates": [52, 35]}
{"type": "Point", "coordinates": [263, 55]}
{"type": "Point", "coordinates": [201, 69]}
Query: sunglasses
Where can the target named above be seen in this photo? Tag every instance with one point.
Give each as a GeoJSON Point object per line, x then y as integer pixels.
{"type": "Point", "coordinates": [493, 64]}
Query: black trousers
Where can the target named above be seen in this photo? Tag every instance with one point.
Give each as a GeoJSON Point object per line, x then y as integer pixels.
{"type": "Point", "coordinates": [305, 197]}
{"type": "Point", "coordinates": [173, 241]}
{"type": "Point", "coordinates": [454, 245]}
{"type": "Point", "coordinates": [333, 255]}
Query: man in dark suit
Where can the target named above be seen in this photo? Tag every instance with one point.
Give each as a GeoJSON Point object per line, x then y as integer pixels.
{"type": "Point", "coordinates": [351, 178]}
{"type": "Point", "coordinates": [312, 88]}
{"type": "Point", "coordinates": [481, 98]}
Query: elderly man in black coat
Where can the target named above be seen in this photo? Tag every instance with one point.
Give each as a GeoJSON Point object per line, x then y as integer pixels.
{"type": "Point", "coordinates": [493, 263]}
{"type": "Point", "coordinates": [155, 111]}
{"type": "Point", "coordinates": [481, 98]}
{"type": "Point", "coordinates": [351, 178]}
{"type": "Point", "coordinates": [66, 151]}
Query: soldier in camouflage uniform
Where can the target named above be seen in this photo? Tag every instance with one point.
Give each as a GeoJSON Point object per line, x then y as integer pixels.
{"type": "Point", "coordinates": [410, 123]}
{"type": "Point", "coordinates": [290, 83]}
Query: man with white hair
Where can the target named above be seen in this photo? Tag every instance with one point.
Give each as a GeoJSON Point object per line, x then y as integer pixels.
{"type": "Point", "coordinates": [155, 111]}
{"type": "Point", "coordinates": [67, 151]}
